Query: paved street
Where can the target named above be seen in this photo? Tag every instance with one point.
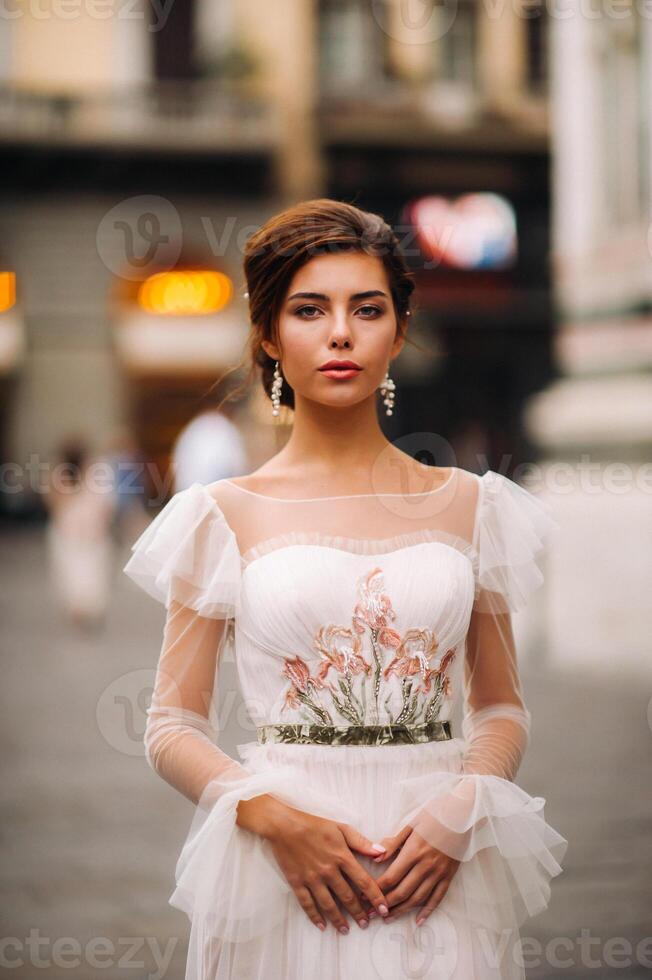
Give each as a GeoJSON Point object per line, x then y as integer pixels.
{"type": "Point", "coordinates": [91, 835]}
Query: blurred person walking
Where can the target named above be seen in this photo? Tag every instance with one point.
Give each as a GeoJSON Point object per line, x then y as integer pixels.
{"type": "Point", "coordinates": [209, 448]}
{"type": "Point", "coordinates": [79, 544]}
{"type": "Point", "coordinates": [126, 459]}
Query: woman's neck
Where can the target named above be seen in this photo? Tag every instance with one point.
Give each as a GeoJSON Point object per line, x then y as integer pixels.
{"type": "Point", "coordinates": [326, 442]}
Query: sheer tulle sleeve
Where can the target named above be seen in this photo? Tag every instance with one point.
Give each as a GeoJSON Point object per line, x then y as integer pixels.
{"type": "Point", "coordinates": [188, 560]}
{"type": "Point", "coordinates": [512, 530]}
{"type": "Point", "coordinates": [482, 807]}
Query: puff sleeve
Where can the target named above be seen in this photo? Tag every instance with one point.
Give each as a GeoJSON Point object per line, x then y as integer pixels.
{"type": "Point", "coordinates": [188, 559]}
{"type": "Point", "coordinates": [482, 808]}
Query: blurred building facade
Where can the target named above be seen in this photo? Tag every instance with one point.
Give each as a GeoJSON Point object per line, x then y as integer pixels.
{"type": "Point", "coordinates": [594, 422]}
{"type": "Point", "coordinates": [228, 112]}
{"type": "Point", "coordinates": [601, 113]}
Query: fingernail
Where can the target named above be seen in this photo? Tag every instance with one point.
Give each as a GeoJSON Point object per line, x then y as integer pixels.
{"type": "Point", "coordinates": [343, 929]}
{"type": "Point", "coordinates": [378, 859]}
{"type": "Point", "coordinates": [378, 847]}
{"type": "Point", "coordinates": [389, 918]}
{"type": "Point", "coordinates": [320, 925]}
{"type": "Point", "coordinates": [383, 909]}
{"type": "Point", "coordinates": [419, 921]}
{"type": "Point", "coordinates": [371, 913]}
{"type": "Point", "coordinates": [363, 923]}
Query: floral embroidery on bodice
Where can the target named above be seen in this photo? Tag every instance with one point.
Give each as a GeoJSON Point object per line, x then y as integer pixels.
{"type": "Point", "coordinates": [359, 659]}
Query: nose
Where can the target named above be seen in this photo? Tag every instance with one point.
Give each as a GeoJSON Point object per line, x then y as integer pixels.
{"type": "Point", "coordinates": [341, 332]}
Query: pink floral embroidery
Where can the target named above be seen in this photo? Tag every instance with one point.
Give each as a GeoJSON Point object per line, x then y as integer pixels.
{"type": "Point", "coordinates": [374, 609]}
{"type": "Point", "coordinates": [342, 651]}
{"type": "Point", "coordinates": [413, 654]}
{"type": "Point", "coordinates": [302, 685]}
{"type": "Point", "coordinates": [340, 648]}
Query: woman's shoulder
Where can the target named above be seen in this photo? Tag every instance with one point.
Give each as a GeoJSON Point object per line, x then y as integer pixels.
{"type": "Point", "coordinates": [268, 479]}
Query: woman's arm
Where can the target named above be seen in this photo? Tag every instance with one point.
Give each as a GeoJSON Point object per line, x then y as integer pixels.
{"type": "Point", "coordinates": [179, 733]}
{"type": "Point", "coordinates": [496, 722]}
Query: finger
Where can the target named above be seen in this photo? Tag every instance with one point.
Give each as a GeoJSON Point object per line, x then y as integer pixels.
{"type": "Point", "coordinates": [328, 905]}
{"type": "Point", "coordinates": [366, 884]}
{"type": "Point", "coordinates": [342, 889]}
{"type": "Point", "coordinates": [307, 903]}
{"type": "Point", "coordinates": [433, 900]}
{"type": "Point", "coordinates": [358, 842]}
{"type": "Point", "coordinates": [395, 872]}
{"type": "Point", "coordinates": [392, 844]}
{"type": "Point", "coordinates": [408, 884]}
{"type": "Point", "coordinates": [416, 900]}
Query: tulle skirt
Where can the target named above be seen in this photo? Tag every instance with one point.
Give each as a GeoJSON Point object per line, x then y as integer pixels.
{"type": "Point", "coordinates": [247, 924]}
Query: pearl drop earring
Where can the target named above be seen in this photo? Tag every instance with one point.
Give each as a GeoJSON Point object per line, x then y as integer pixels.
{"type": "Point", "coordinates": [388, 388]}
{"type": "Point", "coordinates": [277, 384]}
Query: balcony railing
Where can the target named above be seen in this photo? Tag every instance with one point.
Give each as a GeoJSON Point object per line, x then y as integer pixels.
{"type": "Point", "coordinates": [197, 115]}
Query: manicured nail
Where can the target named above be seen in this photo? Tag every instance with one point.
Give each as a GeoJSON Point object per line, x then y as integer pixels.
{"type": "Point", "coordinates": [379, 859]}
{"type": "Point", "coordinates": [371, 913]}
{"type": "Point", "coordinates": [383, 909]}
{"type": "Point", "coordinates": [421, 920]}
{"type": "Point", "coordinates": [363, 923]}
{"type": "Point", "coordinates": [389, 918]}
{"type": "Point", "coordinates": [344, 930]}
{"type": "Point", "coordinates": [320, 925]}
{"type": "Point", "coordinates": [378, 848]}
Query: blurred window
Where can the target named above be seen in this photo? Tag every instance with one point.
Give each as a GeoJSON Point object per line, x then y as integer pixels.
{"type": "Point", "coordinates": [624, 102]}
{"type": "Point", "coordinates": [537, 40]}
{"type": "Point", "coordinates": [352, 47]}
{"type": "Point", "coordinates": [457, 48]}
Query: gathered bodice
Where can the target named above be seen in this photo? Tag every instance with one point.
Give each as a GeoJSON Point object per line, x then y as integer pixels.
{"type": "Point", "coordinates": [339, 631]}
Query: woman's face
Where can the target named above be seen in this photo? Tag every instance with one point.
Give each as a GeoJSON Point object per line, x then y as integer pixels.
{"type": "Point", "coordinates": [338, 307]}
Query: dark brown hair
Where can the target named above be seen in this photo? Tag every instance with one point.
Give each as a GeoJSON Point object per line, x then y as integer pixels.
{"type": "Point", "coordinates": [291, 239]}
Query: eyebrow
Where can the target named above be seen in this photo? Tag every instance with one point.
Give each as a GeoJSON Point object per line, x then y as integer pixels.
{"type": "Point", "coordinates": [354, 296]}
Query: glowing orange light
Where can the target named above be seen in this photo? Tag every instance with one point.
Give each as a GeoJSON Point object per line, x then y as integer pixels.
{"type": "Point", "coordinates": [185, 292]}
{"type": "Point", "coordinates": [7, 291]}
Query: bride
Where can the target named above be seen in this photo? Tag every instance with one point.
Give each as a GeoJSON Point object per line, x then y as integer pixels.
{"type": "Point", "coordinates": [368, 598]}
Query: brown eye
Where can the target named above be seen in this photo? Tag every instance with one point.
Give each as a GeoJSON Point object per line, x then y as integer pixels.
{"type": "Point", "coordinates": [302, 310]}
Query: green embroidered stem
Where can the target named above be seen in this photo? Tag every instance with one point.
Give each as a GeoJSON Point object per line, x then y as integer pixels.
{"type": "Point", "coordinates": [377, 671]}
{"type": "Point", "coordinates": [344, 707]}
{"type": "Point", "coordinates": [355, 701]}
{"type": "Point", "coordinates": [321, 713]}
{"type": "Point", "coordinates": [434, 701]}
{"type": "Point", "coordinates": [406, 689]}
{"type": "Point", "coordinates": [390, 718]}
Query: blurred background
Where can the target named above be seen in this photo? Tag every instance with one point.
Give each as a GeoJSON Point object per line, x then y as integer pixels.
{"type": "Point", "coordinates": [141, 144]}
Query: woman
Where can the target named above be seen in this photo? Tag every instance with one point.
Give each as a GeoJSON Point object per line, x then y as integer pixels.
{"type": "Point", "coordinates": [79, 545]}
{"type": "Point", "coordinates": [369, 595]}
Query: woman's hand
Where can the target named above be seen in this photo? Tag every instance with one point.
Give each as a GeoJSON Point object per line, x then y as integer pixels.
{"type": "Point", "coordinates": [419, 877]}
{"type": "Point", "coordinates": [315, 854]}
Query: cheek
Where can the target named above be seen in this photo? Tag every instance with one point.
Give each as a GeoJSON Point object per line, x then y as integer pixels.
{"type": "Point", "coordinates": [302, 348]}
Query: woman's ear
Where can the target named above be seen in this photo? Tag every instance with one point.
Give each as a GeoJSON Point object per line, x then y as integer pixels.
{"type": "Point", "coordinates": [397, 346]}
{"type": "Point", "coordinates": [271, 350]}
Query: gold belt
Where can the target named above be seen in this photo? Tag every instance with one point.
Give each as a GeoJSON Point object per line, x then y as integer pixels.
{"type": "Point", "coordinates": [307, 734]}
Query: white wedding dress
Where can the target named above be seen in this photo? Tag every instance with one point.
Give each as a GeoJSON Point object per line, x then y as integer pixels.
{"type": "Point", "coordinates": [347, 611]}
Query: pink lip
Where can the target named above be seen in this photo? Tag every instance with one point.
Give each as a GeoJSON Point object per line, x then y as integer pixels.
{"type": "Point", "coordinates": [340, 366]}
{"type": "Point", "coordinates": [341, 373]}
